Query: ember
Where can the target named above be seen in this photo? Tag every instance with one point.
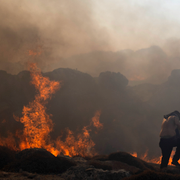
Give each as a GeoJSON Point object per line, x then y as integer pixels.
{"type": "Point", "coordinates": [96, 122]}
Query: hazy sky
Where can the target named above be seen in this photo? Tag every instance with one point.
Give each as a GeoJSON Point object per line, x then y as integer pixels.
{"type": "Point", "coordinates": [139, 23]}
{"type": "Point", "coordinates": [59, 29]}
{"type": "Point", "coordinates": [96, 24]}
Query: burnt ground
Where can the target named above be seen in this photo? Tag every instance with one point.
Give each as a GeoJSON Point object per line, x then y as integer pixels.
{"type": "Point", "coordinates": [40, 164]}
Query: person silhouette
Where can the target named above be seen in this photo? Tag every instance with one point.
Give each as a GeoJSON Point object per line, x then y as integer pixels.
{"type": "Point", "coordinates": [169, 138]}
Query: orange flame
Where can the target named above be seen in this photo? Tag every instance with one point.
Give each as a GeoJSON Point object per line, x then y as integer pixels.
{"type": "Point", "coordinates": [35, 53]}
{"type": "Point", "coordinates": [8, 141]}
{"type": "Point", "coordinates": [38, 125]}
{"type": "Point", "coordinates": [95, 120]}
{"type": "Point", "coordinates": [156, 160]}
{"type": "Point", "coordinates": [82, 145]}
{"type": "Point", "coordinates": [134, 154]}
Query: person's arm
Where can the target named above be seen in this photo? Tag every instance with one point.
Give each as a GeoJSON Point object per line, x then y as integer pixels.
{"type": "Point", "coordinates": [177, 122]}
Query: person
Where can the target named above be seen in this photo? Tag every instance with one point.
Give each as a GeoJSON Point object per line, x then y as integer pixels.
{"type": "Point", "coordinates": [169, 138]}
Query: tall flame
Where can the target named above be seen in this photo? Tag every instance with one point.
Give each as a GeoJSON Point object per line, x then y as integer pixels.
{"type": "Point", "coordinates": [38, 124]}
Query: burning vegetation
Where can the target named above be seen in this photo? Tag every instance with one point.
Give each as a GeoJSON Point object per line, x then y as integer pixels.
{"type": "Point", "coordinates": [38, 124]}
{"type": "Point", "coordinates": [34, 145]}
{"type": "Point", "coordinates": [156, 160]}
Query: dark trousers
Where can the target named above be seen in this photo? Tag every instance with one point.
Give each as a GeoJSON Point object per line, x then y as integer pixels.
{"type": "Point", "coordinates": [166, 145]}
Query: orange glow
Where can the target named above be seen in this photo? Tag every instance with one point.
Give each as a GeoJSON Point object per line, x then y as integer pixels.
{"type": "Point", "coordinates": [95, 120]}
{"type": "Point", "coordinates": [156, 160]}
{"type": "Point", "coordinates": [82, 145]}
{"type": "Point", "coordinates": [8, 141]}
{"type": "Point", "coordinates": [35, 53]}
{"type": "Point", "coordinates": [134, 154]}
{"type": "Point", "coordinates": [136, 78]}
{"type": "Point", "coordinates": [37, 123]}
{"type": "Point", "coordinates": [3, 121]}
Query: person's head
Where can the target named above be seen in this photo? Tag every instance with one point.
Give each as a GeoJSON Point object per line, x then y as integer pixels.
{"type": "Point", "coordinates": [177, 113]}
{"type": "Point", "coordinates": [174, 113]}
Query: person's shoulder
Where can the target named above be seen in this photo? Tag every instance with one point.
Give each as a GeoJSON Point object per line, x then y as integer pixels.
{"type": "Point", "coordinates": [172, 118]}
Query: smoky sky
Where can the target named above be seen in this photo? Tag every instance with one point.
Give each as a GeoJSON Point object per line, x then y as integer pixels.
{"type": "Point", "coordinates": [89, 36]}
{"type": "Point", "coordinates": [56, 28]}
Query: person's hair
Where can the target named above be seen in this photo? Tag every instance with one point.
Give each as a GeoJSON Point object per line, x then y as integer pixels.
{"type": "Point", "coordinates": [174, 113]}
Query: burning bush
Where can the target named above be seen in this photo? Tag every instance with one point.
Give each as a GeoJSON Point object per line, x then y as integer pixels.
{"type": "Point", "coordinates": [38, 124]}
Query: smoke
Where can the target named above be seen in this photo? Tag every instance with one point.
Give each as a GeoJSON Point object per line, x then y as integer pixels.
{"type": "Point", "coordinates": [151, 64]}
{"type": "Point", "coordinates": [55, 28]}
{"type": "Point", "coordinates": [89, 36]}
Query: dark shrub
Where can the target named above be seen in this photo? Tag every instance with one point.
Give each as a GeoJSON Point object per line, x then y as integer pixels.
{"type": "Point", "coordinates": [129, 159]}
{"type": "Point", "coordinates": [39, 161]}
{"type": "Point", "coordinates": [100, 157]}
{"type": "Point", "coordinates": [6, 156]}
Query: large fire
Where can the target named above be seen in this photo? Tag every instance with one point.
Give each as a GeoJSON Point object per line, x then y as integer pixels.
{"type": "Point", "coordinates": [38, 125]}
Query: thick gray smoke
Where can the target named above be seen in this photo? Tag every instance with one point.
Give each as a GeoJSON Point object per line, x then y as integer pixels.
{"type": "Point", "coordinates": [151, 65]}
{"type": "Point", "coordinates": [70, 34]}
{"type": "Point", "coordinates": [50, 29]}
